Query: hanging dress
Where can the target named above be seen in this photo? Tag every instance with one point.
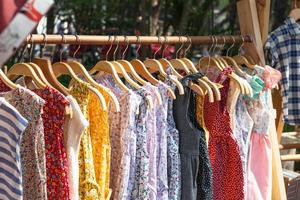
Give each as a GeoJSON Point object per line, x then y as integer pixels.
{"type": "Point", "coordinates": [195, 165]}
{"type": "Point", "coordinates": [99, 133]}
{"type": "Point", "coordinates": [161, 143]}
{"type": "Point", "coordinates": [88, 186]}
{"type": "Point", "coordinates": [259, 184]}
{"type": "Point", "coordinates": [259, 166]}
{"type": "Point", "coordinates": [77, 124]}
{"type": "Point", "coordinates": [56, 156]}
{"type": "Point", "coordinates": [122, 136]}
{"type": "Point", "coordinates": [223, 148]}
{"type": "Point", "coordinates": [173, 156]}
{"type": "Point", "coordinates": [32, 147]}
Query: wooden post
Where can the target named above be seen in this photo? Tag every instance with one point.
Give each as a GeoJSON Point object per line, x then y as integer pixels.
{"type": "Point", "coordinates": [263, 11]}
{"type": "Point", "coordinates": [250, 24]}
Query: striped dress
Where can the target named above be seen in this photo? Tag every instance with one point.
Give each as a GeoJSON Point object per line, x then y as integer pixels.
{"type": "Point", "coordinates": [12, 125]}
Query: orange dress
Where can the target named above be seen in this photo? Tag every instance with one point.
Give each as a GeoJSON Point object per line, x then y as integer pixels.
{"type": "Point", "coordinates": [99, 132]}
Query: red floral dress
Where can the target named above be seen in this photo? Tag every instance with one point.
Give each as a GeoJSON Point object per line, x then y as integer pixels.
{"type": "Point", "coordinates": [56, 157]}
{"type": "Point", "coordinates": [228, 180]}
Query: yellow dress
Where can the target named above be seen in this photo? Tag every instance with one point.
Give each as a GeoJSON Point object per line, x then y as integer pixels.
{"type": "Point", "coordinates": [99, 131]}
{"type": "Point", "coordinates": [200, 114]}
{"type": "Point", "coordinates": [88, 186]}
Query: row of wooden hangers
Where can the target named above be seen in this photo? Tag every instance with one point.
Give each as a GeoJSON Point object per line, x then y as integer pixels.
{"type": "Point", "coordinates": [135, 72]}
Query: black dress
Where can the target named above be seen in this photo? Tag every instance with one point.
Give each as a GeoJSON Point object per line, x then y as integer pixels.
{"type": "Point", "coordinates": [196, 173]}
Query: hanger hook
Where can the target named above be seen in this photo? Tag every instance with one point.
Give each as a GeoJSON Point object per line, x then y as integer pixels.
{"type": "Point", "coordinates": [138, 47]}
{"type": "Point", "coordinates": [158, 50]}
{"type": "Point", "coordinates": [216, 44]}
{"type": "Point", "coordinates": [182, 43]}
{"type": "Point", "coordinates": [231, 46]}
{"type": "Point", "coordinates": [111, 44]}
{"type": "Point", "coordinates": [126, 48]}
{"type": "Point", "coordinates": [188, 48]}
{"type": "Point", "coordinates": [166, 46]}
{"type": "Point", "coordinates": [79, 45]}
{"type": "Point", "coordinates": [212, 44]}
{"type": "Point", "coordinates": [224, 40]}
{"type": "Point", "coordinates": [31, 48]}
{"type": "Point", "coordinates": [21, 58]}
{"type": "Point", "coordinates": [243, 39]}
{"type": "Point", "coordinates": [211, 47]}
{"type": "Point", "coordinates": [44, 45]}
{"type": "Point", "coordinates": [64, 42]}
{"type": "Point", "coordinates": [117, 47]}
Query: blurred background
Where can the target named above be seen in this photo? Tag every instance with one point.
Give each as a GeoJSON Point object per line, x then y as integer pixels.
{"type": "Point", "coordinates": [143, 17]}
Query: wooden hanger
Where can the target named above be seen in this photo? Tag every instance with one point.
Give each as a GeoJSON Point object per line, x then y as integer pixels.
{"type": "Point", "coordinates": [179, 64]}
{"type": "Point", "coordinates": [196, 88]}
{"type": "Point", "coordinates": [242, 60]}
{"type": "Point", "coordinates": [155, 65]}
{"type": "Point", "coordinates": [204, 79]}
{"type": "Point", "coordinates": [123, 72]}
{"type": "Point", "coordinates": [40, 73]}
{"type": "Point", "coordinates": [46, 67]}
{"type": "Point", "coordinates": [295, 12]}
{"type": "Point", "coordinates": [106, 66]}
{"type": "Point", "coordinates": [78, 68]}
{"type": "Point", "coordinates": [24, 69]}
{"type": "Point", "coordinates": [141, 69]}
{"type": "Point", "coordinates": [60, 68]}
{"type": "Point", "coordinates": [130, 69]}
{"type": "Point", "coordinates": [7, 82]}
{"type": "Point", "coordinates": [120, 68]}
{"type": "Point", "coordinates": [201, 83]}
{"type": "Point", "coordinates": [166, 64]}
{"type": "Point", "coordinates": [208, 61]}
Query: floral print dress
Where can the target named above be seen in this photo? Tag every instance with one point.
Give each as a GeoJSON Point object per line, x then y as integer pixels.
{"type": "Point", "coordinates": [122, 136]}
{"type": "Point", "coordinates": [88, 186]}
{"type": "Point", "coordinates": [56, 156]}
{"type": "Point", "coordinates": [173, 156]}
{"type": "Point", "coordinates": [99, 132]}
{"type": "Point", "coordinates": [161, 143]}
{"type": "Point", "coordinates": [32, 147]}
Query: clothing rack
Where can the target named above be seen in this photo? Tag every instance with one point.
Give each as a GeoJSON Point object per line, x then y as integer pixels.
{"type": "Point", "coordinates": [102, 40]}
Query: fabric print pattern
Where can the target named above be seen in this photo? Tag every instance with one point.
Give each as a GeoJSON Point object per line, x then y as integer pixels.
{"type": "Point", "coordinates": [260, 152]}
{"type": "Point", "coordinates": [152, 141]}
{"type": "Point", "coordinates": [138, 184]}
{"type": "Point", "coordinates": [56, 156]}
{"type": "Point", "coordinates": [161, 144]}
{"type": "Point", "coordinates": [173, 156]}
{"type": "Point", "coordinates": [242, 131]}
{"type": "Point", "coordinates": [32, 148]}
{"type": "Point", "coordinates": [123, 138]}
{"type": "Point", "coordinates": [88, 186]}
{"type": "Point", "coordinates": [223, 148]}
{"type": "Point", "coordinates": [99, 132]}
{"type": "Point", "coordinates": [12, 125]}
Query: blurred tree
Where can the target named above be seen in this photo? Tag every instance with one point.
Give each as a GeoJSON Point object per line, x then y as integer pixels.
{"type": "Point", "coordinates": [148, 17]}
{"type": "Point", "coordinates": [143, 17]}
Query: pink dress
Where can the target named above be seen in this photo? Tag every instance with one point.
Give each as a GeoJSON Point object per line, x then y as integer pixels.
{"type": "Point", "coordinates": [259, 180]}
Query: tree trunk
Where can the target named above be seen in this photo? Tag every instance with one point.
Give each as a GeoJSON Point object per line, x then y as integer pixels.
{"type": "Point", "coordinates": [184, 16]}
{"type": "Point", "coordinates": [155, 5]}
